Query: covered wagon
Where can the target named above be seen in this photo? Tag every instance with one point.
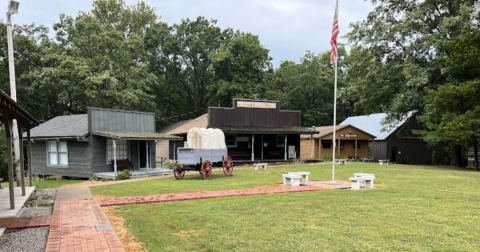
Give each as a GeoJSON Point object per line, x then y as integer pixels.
{"type": "Point", "coordinates": [205, 148]}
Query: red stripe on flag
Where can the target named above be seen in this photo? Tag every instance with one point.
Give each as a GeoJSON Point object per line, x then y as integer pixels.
{"type": "Point", "coordinates": [335, 32]}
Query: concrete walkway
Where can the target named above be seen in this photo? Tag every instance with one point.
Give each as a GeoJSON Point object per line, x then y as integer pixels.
{"type": "Point", "coordinates": [81, 225]}
{"type": "Point", "coordinates": [5, 211]}
{"type": "Point", "coordinates": [73, 192]}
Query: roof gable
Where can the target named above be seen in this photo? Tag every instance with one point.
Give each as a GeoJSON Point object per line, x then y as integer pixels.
{"type": "Point", "coordinates": [373, 124]}
{"type": "Point", "coordinates": [70, 126]}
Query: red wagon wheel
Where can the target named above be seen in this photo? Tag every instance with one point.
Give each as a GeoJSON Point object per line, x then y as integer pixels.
{"type": "Point", "coordinates": [206, 170]}
{"type": "Point", "coordinates": [178, 170]}
{"type": "Point", "coordinates": [228, 166]}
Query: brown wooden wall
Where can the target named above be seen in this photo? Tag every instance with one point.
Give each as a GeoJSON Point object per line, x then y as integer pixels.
{"type": "Point", "coordinates": [253, 116]}
{"type": "Point", "coordinates": [319, 151]}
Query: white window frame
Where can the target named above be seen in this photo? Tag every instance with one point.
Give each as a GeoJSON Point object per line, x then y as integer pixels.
{"type": "Point", "coordinates": [231, 146]}
{"type": "Point", "coordinates": [117, 150]}
{"type": "Point", "coordinates": [58, 165]}
{"type": "Point", "coordinates": [283, 139]}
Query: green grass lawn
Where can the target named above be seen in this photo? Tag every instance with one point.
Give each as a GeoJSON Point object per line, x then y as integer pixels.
{"type": "Point", "coordinates": [46, 184]}
{"type": "Point", "coordinates": [419, 208]}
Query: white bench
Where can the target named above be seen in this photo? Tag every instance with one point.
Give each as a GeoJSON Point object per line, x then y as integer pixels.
{"type": "Point", "coordinates": [262, 164]}
{"type": "Point", "coordinates": [356, 181]}
{"type": "Point", "coordinates": [384, 161]}
{"type": "Point", "coordinates": [341, 161]}
{"type": "Point", "coordinates": [289, 179]}
{"type": "Point", "coordinates": [303, 174]}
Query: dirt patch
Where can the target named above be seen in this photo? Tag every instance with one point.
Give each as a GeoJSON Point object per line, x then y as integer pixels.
{"type": "Point", "coordinates": [185, 235]}
{"type": "Point", "coordinates": [126, 238]}
{"type": "Point", "coordinates": [102, 197]}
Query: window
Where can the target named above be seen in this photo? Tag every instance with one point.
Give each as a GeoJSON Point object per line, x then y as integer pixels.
{"type": "Point", "coordinates": [121, 149]}
{"type": "Point", "coordinates": [358, 145]}
{"type": "Point", "coordinates": [280, 140]}
{"type": "Point", "coordinates": [341, 145]}
{"type": "Point", "coordinates": [57, 153]}
{"type": "Point", "coordinates": [327, 145]}
{"type": "Point", "coordinates": [231, 140]}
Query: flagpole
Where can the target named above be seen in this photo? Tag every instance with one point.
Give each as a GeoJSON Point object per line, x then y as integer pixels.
{"type": "Point", "coordinates": [334, 120]}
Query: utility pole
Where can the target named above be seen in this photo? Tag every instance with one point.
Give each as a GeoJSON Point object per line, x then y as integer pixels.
{"type": "Point", "coordinates": [13, 9]}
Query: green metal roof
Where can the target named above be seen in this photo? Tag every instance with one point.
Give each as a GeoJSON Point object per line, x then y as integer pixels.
{"type": "Point", "coordinates": [137, 135]}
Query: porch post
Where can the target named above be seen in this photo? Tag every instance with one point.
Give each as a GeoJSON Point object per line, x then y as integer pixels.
{"type": "Point", "coordinates": [338, 147]}
{"type": "Point", "coordinates": [253, 141]}
{"type": "Point", "coordinates": [356, 146]}
{"type": "Point", "coordinates": [320, 149]}
{"type": "Point", "coordinates": [373, 149]}
{"type": "Point", "coordinates": [311, 146]}
{"type": "Point", "coordinates": [114, 157]}
{"type": "Point", "coordinates": [285, 147]}
{"type": "Point", "coordinates": [8, 131]}
{"type": "Point", "coordinates": [29, 154]}
{"type": "Point", "coordinates": [22, 158]}
{"type": "Point", "coordinates": [174, 150]}
{"type": "Point", "coordinates": [148, 165]}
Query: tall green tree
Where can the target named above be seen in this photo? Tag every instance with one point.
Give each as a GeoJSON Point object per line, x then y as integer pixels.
{"type": "Point", "coordinates": [404, 46]}
{"type": "Point", "coordinates": [309, 86]}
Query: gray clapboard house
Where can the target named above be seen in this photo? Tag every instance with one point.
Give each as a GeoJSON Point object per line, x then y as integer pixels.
{"type": "Point", "coordinates": [88, 144]}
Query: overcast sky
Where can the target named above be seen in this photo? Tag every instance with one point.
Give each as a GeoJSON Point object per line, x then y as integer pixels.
{"type": "Point", "coordinates": [287, 27]}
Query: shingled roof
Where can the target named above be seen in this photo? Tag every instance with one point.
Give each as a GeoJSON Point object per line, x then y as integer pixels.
{"type": "Point", "coordinates": [70, 126]}
{"type": "Point", "coordinates": [183, 127]}
{"type": "Point", "coordinates": [324, 130]}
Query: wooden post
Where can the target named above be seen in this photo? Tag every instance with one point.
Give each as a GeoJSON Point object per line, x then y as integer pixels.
{"type": "Point", "coordinates": [356, 146]}
{"type": "Point", "coordinates": [320, 149]}
{"type": "Point", "coordinates": [311, 146]}
{"type": "Point", "coordinates": [114, 157]}
{"type": "Point", "coordinates": [373, 149]}
{"type": "Point", "coordinates": [285, 147]}
{"type": "Point", "coordinates": [22, 158]}
{"type": "Point", "coordinates": [338, 147]}
{"type": "Point", "coordinates": [147, 156]}
{"type": "Point", "coordinates": [7, 120]}
{"type": "Point", "coordinates": [253, 141]}
{"type": "Point", "coordinates": [29, 156]}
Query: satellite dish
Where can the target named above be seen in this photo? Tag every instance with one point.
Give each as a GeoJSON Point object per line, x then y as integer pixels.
{"type": "Point", "coordinates": [13, 7]}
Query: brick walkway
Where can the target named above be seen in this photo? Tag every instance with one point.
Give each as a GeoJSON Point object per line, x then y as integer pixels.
{"type": "Point", "coordinates": [81, 225]}
{"type": "Point", "coordinates": [25, 222]}
{"type": "Point", "coordinates": [207, 195]}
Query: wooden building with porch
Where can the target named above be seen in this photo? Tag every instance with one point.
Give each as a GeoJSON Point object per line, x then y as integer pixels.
{"type": "Point", "coordinates": [97, 143]}
{"type": "Point", "coordinates": [255, 130]}
{"type": "Point", "coordinates": [352, 143]}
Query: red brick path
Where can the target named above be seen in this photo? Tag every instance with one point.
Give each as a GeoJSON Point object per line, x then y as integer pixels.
{"type": "Point", "coordinates": [25, 222]}
{"type": "Point", "coordinates": [207, 195]}
{"type": "Point", "coordinates": [73, 228]}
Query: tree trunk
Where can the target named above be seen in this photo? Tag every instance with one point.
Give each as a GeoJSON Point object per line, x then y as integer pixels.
{"type": "Point", "coordinates": [457, 159]}
{"type": "Point", "coordinates": [475, 149]}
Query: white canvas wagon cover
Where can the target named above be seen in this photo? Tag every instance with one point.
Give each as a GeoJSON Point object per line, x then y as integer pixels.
{"type": "Point", "coordinates": [202, 138]}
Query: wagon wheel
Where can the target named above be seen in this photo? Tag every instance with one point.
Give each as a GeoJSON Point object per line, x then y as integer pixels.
{"type": "Point", "coordinates": [206, 170]}
{"type": "Point", "coordinates": [228, 166]}
{"type": "Point", "coordinates": [178, 171]}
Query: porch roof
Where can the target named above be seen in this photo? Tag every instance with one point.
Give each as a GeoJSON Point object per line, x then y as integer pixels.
{"type": "Point", "coordinates": [266, 130]}
{"type": "Point", "coordinates": [137, 135]}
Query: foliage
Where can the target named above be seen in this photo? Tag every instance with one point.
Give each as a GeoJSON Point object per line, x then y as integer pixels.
{"type": "Point", "coordinates": [391, 218]}
{"type": "Point", "coordinates": [125, 174]}
{"type": "Point", "coordinates": [309, 87]}
{"type": "Point", "coordinates": [329, 157]}
{"type": "Point", "coordinates": [3, 154]}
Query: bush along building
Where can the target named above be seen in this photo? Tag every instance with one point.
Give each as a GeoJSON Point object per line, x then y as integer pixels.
{"type": "Point", "coordinates": [92, 143]}
{"type": "Point", "coordinates": [255, 130]}
{"type": "Point", "coordinates": [397, 143]}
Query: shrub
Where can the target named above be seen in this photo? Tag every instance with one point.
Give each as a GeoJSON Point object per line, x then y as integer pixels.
{"type": "Point", "coordinates": [125, 174]}
{"type": "Point", "coordinates": [329, 157]}
{"type": "Point", "coordinates": [170, 166]}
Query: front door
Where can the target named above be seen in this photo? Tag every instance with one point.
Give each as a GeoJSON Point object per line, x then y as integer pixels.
{"type": "Point", "coordinates": [394, 155]}
{"type": "Point", "coordinates": [258, 147]}
{"type": "Point", "coordinates": [142, 149]}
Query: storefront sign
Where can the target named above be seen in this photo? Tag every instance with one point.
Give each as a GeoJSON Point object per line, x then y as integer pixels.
{"type": "Point", "coordinates": [349, 135]}
{"type": "Point", "coordinates": [242, 139]}
{"type": "Point", "coordinates": [264, 105]}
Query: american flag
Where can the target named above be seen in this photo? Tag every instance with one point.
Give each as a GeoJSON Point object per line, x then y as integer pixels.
{"type": "Point", "coordinates": [333, 40]}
